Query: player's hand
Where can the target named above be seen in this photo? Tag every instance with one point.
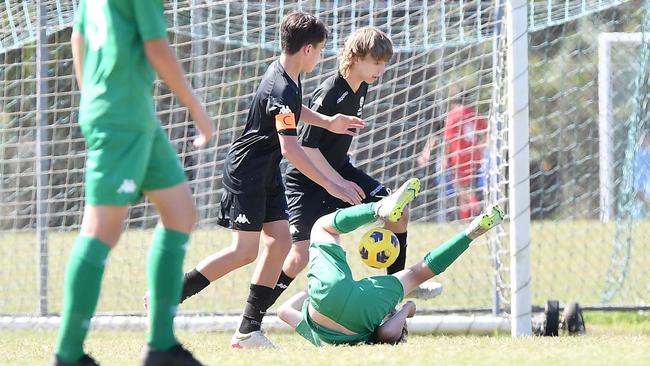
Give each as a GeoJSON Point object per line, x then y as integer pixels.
{"type": "Point", "coordinates": [341, 124]}
{"type": "Point", "coordinates": [410, 306]}
{"type": "Point", "coordinates": [344, 194]}
{"type": "Point", "coordinates": [204, 124]}
{"type": "Point", "coordinates": [351, 186]}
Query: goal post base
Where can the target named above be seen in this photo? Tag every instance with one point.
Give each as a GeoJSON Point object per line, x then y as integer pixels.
{"type": "Point", "coordinates": [423, 324]}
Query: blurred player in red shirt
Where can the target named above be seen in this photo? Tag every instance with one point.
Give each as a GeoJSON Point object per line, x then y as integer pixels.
{"type": "Point", "coordinates": [465, 133]}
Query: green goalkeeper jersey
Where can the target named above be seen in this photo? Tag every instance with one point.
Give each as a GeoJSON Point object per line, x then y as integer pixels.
{"type": "Point", "coordinates": [117, 77]}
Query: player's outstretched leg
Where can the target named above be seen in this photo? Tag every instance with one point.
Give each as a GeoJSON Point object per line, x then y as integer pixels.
{"type": "Point", "coordinates": [175, 356]}
{"type": "Point", "coordinates": [436, 261]}
{"type": "Point", "coordinates": [479, 226]}
{"type": "Point", "coordinates": [348, 219]}
{"type": "Point", "coordinates": [391, 208]}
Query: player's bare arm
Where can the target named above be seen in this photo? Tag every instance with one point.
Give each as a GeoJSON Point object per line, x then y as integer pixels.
{"type": "Point", "coordinates": [338, 123]}
{"type": "Point", "coordinates": [391, 330]}
{"type": "Point", "coordinates": [77, 45]}
{"type": "Point", "coordinates": [296, 155]}
{"type": "Point", "coordinates": [290, 310]}
{"type": "Point", "coordinates": [316, 156]}
{"type": "Point", "coordinates": [164, 61]}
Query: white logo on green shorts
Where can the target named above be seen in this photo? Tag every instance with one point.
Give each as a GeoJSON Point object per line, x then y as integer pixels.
{"type": "Point", "coordinates": [128, 186]}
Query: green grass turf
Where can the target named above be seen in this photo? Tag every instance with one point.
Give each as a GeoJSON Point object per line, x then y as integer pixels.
{"type": "Point", "coordinates": [624, 343]}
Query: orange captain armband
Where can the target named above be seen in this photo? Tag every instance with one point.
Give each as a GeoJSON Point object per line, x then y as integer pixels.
{"type": "Point", "coordinates": [285, 120]}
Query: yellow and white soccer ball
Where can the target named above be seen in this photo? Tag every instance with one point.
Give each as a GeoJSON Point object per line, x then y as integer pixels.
{"type": "Point", "coordinates": [379, 248]}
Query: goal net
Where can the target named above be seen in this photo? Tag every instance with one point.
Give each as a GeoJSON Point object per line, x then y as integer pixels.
{"type": "Point", "coordinates": [446, 52]}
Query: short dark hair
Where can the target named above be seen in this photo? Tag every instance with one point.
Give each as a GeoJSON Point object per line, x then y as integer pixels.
{"type": "Point", "coordinates": [299, 29]}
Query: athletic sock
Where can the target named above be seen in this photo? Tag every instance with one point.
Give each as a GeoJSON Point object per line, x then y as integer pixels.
{"type": "Point", "coordinates": [283, 283]}
{"type": "Point", "coordinates": [83, 280]}
{"type": "Point", "coordinates": [165, 280]}
{"type": "Point", "coordinates": [440, 258]}
{"type": "Point", "coordinates": [258, 302]}
{"type": "Point", "coordinates": [193, 283]}
{"type": "Point", "coordinates": [400, 262]}
{"type": "Point", "coordinates": [350, 218]}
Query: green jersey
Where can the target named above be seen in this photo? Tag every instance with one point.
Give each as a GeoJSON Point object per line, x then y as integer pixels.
{"type": "Point", "coordinates": [117, 77]}
{"type": "Point", "coordinates": [360, 306]}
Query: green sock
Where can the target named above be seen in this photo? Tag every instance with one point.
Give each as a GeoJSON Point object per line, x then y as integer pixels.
{"type": "Point", "coordinates": [165, 280]}
{"type": "Point", "coordinates": [440, 258]}
{"type": "Point", "coordinates": [351, 218]}
{"type": "Point", "coordinates": [83, 280]}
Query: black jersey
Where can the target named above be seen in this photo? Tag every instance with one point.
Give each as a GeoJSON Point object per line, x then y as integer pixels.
{"type": "Point", "coordinates": [253, 161]}
{"type": "Point", "coordinates": [332, 97]}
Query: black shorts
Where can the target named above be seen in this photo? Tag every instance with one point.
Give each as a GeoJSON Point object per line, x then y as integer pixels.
{"type": "Point", "coordinates": [308, 202]}
{"type": "Point", "coordinates": [250, 211]}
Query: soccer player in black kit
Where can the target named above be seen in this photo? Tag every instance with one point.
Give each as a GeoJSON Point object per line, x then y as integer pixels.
{"type": "Point", "coordinates": [254, 202]}
{"type": "Point", "coordinates": [361, 62]}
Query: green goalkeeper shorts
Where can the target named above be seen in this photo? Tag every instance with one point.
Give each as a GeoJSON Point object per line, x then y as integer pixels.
{"type": "Point", "coordinates": [122, 163]}
{"type": "Point", "coordinates": [359, 306]}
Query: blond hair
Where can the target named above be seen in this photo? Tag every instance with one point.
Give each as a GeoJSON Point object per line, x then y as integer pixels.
{"type": "Point", "coordinates": [363, 42]}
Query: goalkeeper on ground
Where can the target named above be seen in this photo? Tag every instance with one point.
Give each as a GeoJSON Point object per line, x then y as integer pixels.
{"type": "Point", "coordinates": [340, 310]}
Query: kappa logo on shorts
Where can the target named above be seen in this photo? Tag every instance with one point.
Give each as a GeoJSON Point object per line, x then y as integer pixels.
{"type": "Point", "coordinates": [242, 219]}
{"type": "Point", "coordinates": [128, 186]}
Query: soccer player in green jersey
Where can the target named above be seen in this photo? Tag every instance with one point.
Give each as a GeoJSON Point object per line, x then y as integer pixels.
{"type": "Point", "coordinates": [339, 310]}
{"type": "Point", "coordinates": [118, 46]}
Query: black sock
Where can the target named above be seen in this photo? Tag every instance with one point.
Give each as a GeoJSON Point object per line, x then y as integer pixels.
{"type": "Point", "coordinates": [400, 263]}
{"type": "Point", "coordinates": [256, 306]}
{"type": "Point", "coordinates": [283, 283]}
{"type": "Point", "coordinates": [193, 283]}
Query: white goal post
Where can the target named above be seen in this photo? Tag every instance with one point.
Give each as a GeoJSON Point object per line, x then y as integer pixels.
{"type": "Point", "coordinates": [606, 126]}
{"type": "Point", "coordinates": [519, 174]}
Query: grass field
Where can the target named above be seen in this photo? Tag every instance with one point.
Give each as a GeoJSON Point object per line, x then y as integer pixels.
{"type": "Point", "coordinates": [612, 339]}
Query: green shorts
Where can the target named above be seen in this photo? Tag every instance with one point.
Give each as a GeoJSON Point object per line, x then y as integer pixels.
{"type": "Point", "coordinates": [359, 306]}
{"type": "Point", "coordinates": [122, 163]}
